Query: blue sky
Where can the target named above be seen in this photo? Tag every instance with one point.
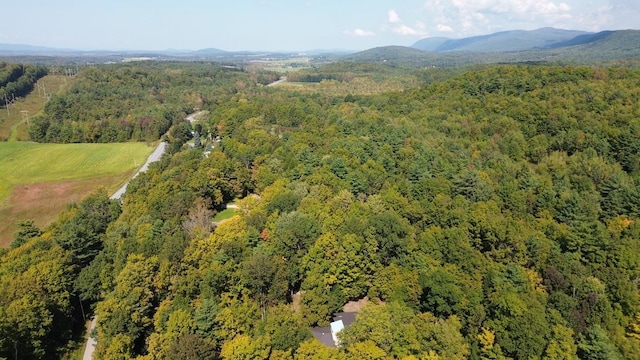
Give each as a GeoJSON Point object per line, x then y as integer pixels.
{"type": "Point", "coordinates": [291, 25]}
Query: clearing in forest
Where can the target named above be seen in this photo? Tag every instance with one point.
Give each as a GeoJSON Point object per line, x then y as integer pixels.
{"type": "Point", "coordinates": [13, 123]}
{"type": "Point", "coordinates": [37, 181]}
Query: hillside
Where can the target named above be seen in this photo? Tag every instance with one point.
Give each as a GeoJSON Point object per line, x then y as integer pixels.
{"type": "Point", "coordinates": [135, 101]}
{"type": "Point", "coordinates": [392, 55]}
{"type": "Point", "coordinates": [17, 80]}
{"type": "Point", "coordinates": [492, 214]}
{"type": "Point", "coordinates": [211, 51]}
{"type": "Point", "coordinates": [396, 55]}
{"type": "Point", "coordinates": [516, 40]}
{"type": "Point", "coordinates": [620, 44]}
{"type": "Point", "coordinates": [431, 43]}
{"type": "Point", "coordinates": [583, 49]}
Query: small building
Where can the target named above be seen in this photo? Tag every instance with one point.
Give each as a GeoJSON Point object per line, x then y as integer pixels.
{"type": "Point", "coordinates": [328, 335]}
{"type": "Point", "coordinates": [336, 327]}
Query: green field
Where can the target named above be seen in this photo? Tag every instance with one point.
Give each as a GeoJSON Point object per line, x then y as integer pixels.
{"type": "Point", "coordinates": [29, 163]}
{"type": "Point", "coordinates": [282, 65]}
{"type": "Point", "coordinates": [37, 181]}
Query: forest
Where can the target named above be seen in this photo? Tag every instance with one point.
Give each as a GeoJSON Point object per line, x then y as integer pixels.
{"type": "Point", "coordinates": [18, 80]}
{"type": "Point", "coordinates": [120, 102]}
{"type": "Point", "coordinates": [485, 213]}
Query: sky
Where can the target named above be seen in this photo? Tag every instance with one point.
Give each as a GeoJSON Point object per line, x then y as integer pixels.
{"type": "Point", "coordinates": [291, 25]}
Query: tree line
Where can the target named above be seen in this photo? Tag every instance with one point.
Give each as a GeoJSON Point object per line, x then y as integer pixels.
{"type": "Point", "coordinates": [135, 101]}
{"type": "Point", "coordinates": [17, 80]}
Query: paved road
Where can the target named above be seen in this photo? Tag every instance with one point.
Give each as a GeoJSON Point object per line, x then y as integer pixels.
{"type": "Point", "coordinates": [155, 156]}
{"type": "Point", "coordinates": [91, 342]}
{"type": "Point", "coordinates": [191, 118]}
{"type": "Point", "coordinates": [282, 79]}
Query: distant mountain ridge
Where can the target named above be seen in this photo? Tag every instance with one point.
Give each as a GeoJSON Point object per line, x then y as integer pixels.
{"type": "Point", "coordinates": [543, 45]}
{"type": "Point", "coordinates": [210, 51]}
{"type": "Point", "coordinates": [514, 40]}
{"type": "Point", "coordinates": [13, 49]}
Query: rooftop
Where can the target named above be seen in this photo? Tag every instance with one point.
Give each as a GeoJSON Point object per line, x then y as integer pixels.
{"type": "Point", "coordinates": [341, 321]}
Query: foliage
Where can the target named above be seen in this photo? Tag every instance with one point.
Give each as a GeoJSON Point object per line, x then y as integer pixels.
{"type": "Point", "coordinates": [492, 214]}
{"type": "Point", "coordinates": [36, 300]}
{"type": "Point", "coordinates": [82, 233]}
{"type": "Point", "coordinates": [17, 80]}
{"type": "Point", "coordinates": [135, 101]}
{"type": "Point", "coordinates": [26, 230]}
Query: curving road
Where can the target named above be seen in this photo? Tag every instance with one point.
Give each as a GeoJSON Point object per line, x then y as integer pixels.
{"type": "Point", "coordinates": [155, 156]}
{"type": "Point", "coordinates": [281, 80]}
{"type": "Point", "coordinates": [91, 342]}
{"type": "Point", "coordinates": [191, 118]}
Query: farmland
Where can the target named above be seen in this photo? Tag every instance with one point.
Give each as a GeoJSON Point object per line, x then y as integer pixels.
{"type": "Point", "coordinates": [39, 180]}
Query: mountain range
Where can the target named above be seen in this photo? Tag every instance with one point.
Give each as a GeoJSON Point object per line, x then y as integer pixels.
{"type": "Point", "coordinates": [542, 45]}
{"type": "Point", "coordinates": [515, 40]}
{"type": "Point", "coordinates": [545, 44]}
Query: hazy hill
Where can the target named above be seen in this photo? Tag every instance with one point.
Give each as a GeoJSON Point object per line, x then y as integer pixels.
{"type": "Point", "coordinates": [546, 44]}
{"type": "Point", "coordinates": [515, 40]}
{"type": "Point", "coordinates": [605, 45]}
{"type": "Point", "coordinates": [585, 48]}
{"type": "Point", "coordinates": [431, 43]}
{"type": "Point", "coordinates": [401, 55]}
{"type": "Point", "coordinates": [211, 51]}
{"type": "Point", "coordinates": [611, 39]}
{"type": "Point", "coordinates": [22, 49]}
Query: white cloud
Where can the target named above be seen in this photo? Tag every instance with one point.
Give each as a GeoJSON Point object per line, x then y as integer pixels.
{"type": "Point", "coordinates": [359, 33]}
{"type": "Point", "coordinates": [397, 26]}
{"type": "Point", "coordinates": [519, 7]}
{"type": "Point", "coordinates": [444, 28]}
{"type": "Point", "coordinates": [473, 17]}
{"type": "Point", "coordinates": [393, 17]}
{"type": "Point", "coordinates": [600, 18]}
{"type": "Point", "coordinates": [403, 29]}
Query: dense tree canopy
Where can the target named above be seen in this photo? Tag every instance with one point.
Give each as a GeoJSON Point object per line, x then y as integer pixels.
{"type": "Point", "coordinates": [492, 214]}
{"type": "Point", "coordinates": [17, 80]}
{"type": "Point", "coordinates": [134, 101]}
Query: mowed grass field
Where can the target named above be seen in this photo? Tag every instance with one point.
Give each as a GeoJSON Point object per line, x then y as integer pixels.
{"type": "Point", "coordinates": [37, 181]}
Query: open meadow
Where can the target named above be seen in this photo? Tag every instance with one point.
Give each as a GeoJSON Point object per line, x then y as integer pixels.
{"type": "Point", "coordinates": [39, 180]}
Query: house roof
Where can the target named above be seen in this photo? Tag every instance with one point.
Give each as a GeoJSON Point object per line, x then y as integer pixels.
{"type": "Point", "coordinates": [323, 334]}
{"type": "Point", "coordinates": [347, 318]}
{"type": "Point", "coordinates": [341, 320]}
